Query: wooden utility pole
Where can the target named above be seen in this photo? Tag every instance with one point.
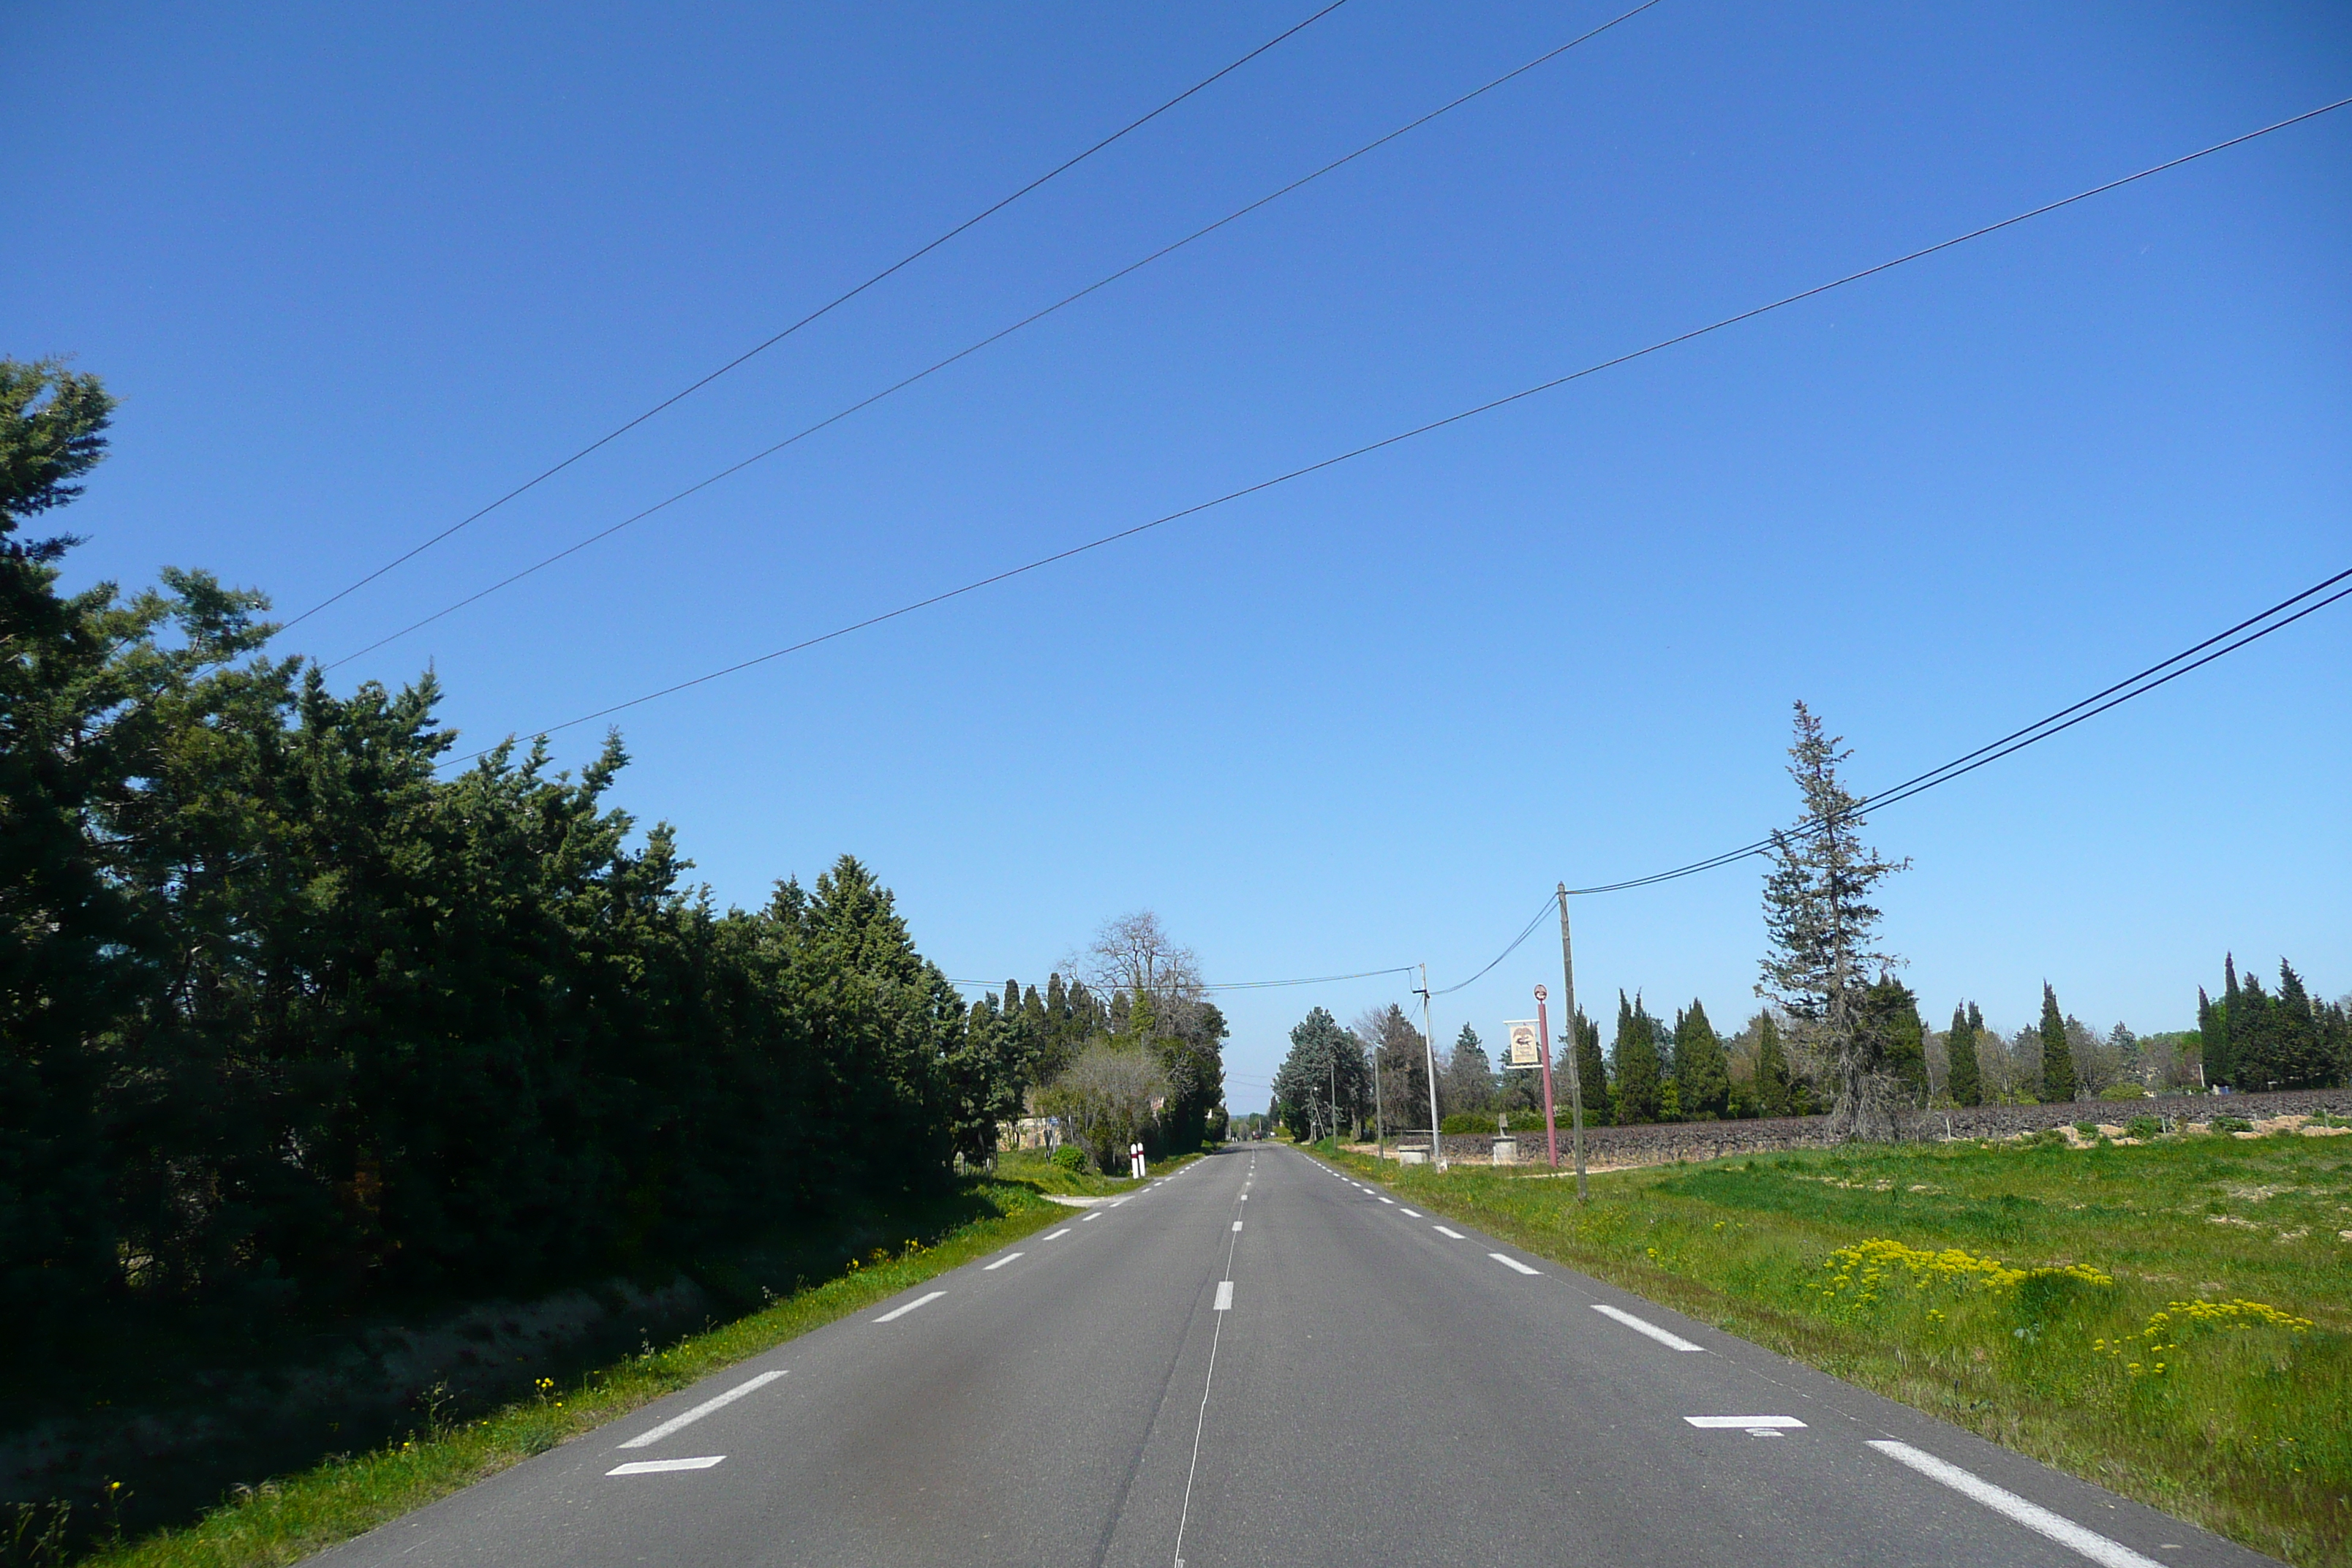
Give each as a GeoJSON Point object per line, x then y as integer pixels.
{"type": "Point", "coordinates": [1575, 1044]}
{"type": "Point", "coordinates": [1429, 1044]}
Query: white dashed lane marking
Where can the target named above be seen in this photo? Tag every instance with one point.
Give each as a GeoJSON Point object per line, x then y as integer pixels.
{"type": "Point", "coordinates": [1672, 1342]}
{"type": "Point", "coordinates": [1442, 1231]}
{"type": "Point", "coordinates": [1224, 1296]}
{"type": "Point", "coordinates": [1508, 1261]}
{"type": "Point", "coordinates": [648, 1438]}
{"type": "Point", "coordinates": [1237, 1225]}
{"type": "Point", "coordinates": [1059, 1234]}
{"type": "Point", "coordinates": [1002, 1261]}
{"type": "Point", "coordinates": [896, 1313]}
{"type": "Point", "coordinates": [2034, 1516]}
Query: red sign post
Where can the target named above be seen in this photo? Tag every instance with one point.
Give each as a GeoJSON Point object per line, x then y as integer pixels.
{"type": "Point", "coordinates": [1543, 1028]}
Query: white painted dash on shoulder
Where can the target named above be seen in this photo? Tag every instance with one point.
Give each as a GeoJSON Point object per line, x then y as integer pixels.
{"type": "Point", "coordinates": [1059, 1234]}
{"type": "Point", "coordinates": [1508, 1261]}
{"type": "Point", "coordinates": [1002, 1261]}
{"type": "Point", "coordinates": [1672, 1342]}
{"type": "Point", "coordinates": [2034, 1516]}
{"type": "Point", "coordinates": [1737, 1422]}
{"type": "Point", "coordinates": [646, 1439]}
{"type": "Point", "coordinates": [1391, 1202]}
{"type": "Point", "coordinates": [1414, 1212]}
{"type": "Point", "coordinates": [1224, 1296]}
{"type": "Point", "coordinates": [657, 1467]}
{"type": "Point", "coordinates": [896, 1313]}
{"type": "Point", "coordinates": [1442, 1231]}
{"type": "Point", "coordinates": [1098, 1214]}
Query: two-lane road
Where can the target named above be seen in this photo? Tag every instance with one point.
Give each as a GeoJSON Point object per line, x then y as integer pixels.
{"type": "Point", "coordinates": [1261, 1361]}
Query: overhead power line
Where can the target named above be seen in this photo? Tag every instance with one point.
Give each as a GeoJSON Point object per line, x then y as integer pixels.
{"type": "Point", "coordinates": [963, 353]}
{"type": "Point", "coordinates": [1247, 984]}
{"type": "Point", "coordinates": [1387, 441]}
{"type": "Point", "coordinates": [2197, 655]}
{"type": "Point", "coordinates": [826, 309]}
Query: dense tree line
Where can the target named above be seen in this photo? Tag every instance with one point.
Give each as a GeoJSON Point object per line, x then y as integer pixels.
{"type": "Point", "coordinates": [292, 1018]}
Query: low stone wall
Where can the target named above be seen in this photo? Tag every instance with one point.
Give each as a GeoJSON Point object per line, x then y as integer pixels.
{"type": "Point", "coordinates": [1668, 1142]}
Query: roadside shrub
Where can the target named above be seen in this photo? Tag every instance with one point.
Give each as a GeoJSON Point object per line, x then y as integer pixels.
{"type": "Point", "coordinates": [2087, 1129]}
{"type": "Point", "coordinates": [2229, 1124]}
{"type": "Point", "coordinates": [1070, 1158]}
{"type": "Point", "coordinates": [2143, 1127]}
{"type": "Point", "coordinates": [2127, 1089]}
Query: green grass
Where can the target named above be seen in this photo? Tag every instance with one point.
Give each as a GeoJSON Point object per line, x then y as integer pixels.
{"type": "Point", "coordinates": [1030, 1166]}
{"type": "Point", "coordinates": [284, 1521]}
{"type": "Point", "coordinates": [2106, 1346]}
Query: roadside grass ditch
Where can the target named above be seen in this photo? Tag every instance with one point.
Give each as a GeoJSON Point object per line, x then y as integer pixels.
{"type": "Point", "coordinates": [2169, 1320]}
{"type": "Point", "coordinates": [271, 1522]}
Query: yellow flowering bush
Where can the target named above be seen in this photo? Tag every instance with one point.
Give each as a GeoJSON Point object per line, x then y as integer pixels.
{"type": "Point", "coordinates": [2165, 1329]}
{"type": "Point", "coordinates": [1860, 1273]}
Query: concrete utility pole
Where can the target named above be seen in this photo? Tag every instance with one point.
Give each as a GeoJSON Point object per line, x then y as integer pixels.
{"type": "Point", "coordinates": [1429, 1044]}
{"type": "Point", "coordinates": [1380, 1122]}
{"type": "Point", "coordinates": [1575, 1044]}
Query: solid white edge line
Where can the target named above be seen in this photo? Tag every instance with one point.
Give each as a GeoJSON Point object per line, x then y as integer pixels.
{"type": "Point", "coordinates": [648, 1438]}
{"type": "Point", "coordinates": [1733, 1423]}
{"type": "Point", "coordinates": [1672, 1342]}
{"type": "Point", "coordinates": [2034, 1516]}
{"type": "Point", "coordinates": [657, 1467]}
{"type": "Point", "coordinates": [896, 1313]}
{"type": "Point", "coordinates": [1508, 1261]}
{"type": "Point", "coordinates": [1442, 1231]}
{"type": "Point", "coordinates": [1002, 1261]}
{"type": "Point", "coordinates": [1224, 1296]}
{"type": "Point", "coordinates": [1059, 1234]}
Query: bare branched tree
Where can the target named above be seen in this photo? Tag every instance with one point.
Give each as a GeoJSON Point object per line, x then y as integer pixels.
{"type": "Point", "coordinates": [1135, 954]}
{"type": "Point", "coordinates": [1822, 925]}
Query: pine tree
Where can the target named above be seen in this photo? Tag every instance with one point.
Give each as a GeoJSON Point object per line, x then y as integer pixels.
{"type": "Point", "coordinates": [2057, 1056]}
{"type": "Point", "coordinates": [1702, 1071]}
{"type": "Point", "coordinates": [1773, 1096]}
{"type": "Point", "coordinates": [1961, 1079]}
{"type": "Point", "coordinates": [1634, 1068]}
{"type": "Point", "coordinates": [1819, 917]}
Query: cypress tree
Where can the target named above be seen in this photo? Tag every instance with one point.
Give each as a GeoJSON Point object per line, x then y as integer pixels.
{"type": "Point", "coordinates": [2222, 1050]}
{"type": "Point", "coordinates": [1702, 1072]}
{"type": "Point", "coordinates": [1772, 1088]}
{"type": "Point", "coordinates": [1592, 1071]}
{"type": "Point", "coordinates": [1961, 1079]}
{"type": "Point", "coordinates": [2057, 1056]}
{"type": "Point", "coordinates": [1635, 1063]}
{"type": "Point", "coordinates": [2302, 1054]}
{"type": "Point", "coordinates": [1900, 1036]}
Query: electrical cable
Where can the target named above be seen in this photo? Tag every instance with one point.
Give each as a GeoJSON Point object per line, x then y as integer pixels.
{"type": "Point", "coordinates": [2139, 685]}
{"type": "Point", "coordinates": [997, 336]}
{"type": "Point", "coordinates": [1400, 436]}
{"type": "Point", "coordinates": [823, 310]}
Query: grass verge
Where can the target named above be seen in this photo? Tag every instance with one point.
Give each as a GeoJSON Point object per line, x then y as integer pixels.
{"type": "Point", "coordinates": [284, 1521]}
{"type": "Point", "coordinates": [2170, 1321]}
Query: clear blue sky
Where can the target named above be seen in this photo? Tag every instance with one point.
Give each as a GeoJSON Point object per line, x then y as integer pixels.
{"type": "Point", "coordinates": [356, 271]}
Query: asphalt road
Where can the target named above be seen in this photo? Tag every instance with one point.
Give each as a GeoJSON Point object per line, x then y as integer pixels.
{"type": "Point", "coordinates": [1259, 1361]}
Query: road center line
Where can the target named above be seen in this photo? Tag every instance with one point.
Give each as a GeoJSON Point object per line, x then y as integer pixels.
{"type": "Point", "coordinates": [1224, 1296]}
{"type": "Point", "coordinates": [1002, 1261]}
{"type": "Point", "coordinates": [1508, 1261]}
{"type": "Point", "coordinates": [1237, 1225]}
{"type": "Point", "coordinates": [1442, 1231]}
{"type": "Point", "coordinates": [897, 1312]}
{"type": "Point", "coordinates": [648, 1438]}
{"type": "Point", "coordinates": [1672, 1342]}
{"type": "Point", "coordinates": [1741, 1422]}
{"type": "Point", "coordinates": [657, 1467]}
{"type": "Point", "coordinates": [2034, 1516]}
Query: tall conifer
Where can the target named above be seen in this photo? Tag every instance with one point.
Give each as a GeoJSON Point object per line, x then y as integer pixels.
{"type": "Point", "coordinates": [1702, 1072]}
{"type": "Point", "coordinates": [1592, 1070]}
{"type": "Point", "coordinates": [1773, 1096]}
{"type": "Point", "coordinates": [1635, 1067]}
{"type": "Point", "coordinates": [2057, 1056]}
{"type": "Point", "coordinates": [1961, 1079]}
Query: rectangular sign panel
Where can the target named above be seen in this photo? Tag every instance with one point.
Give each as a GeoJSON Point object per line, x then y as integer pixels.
{"type": "Point", "coordinates": [1527, 1044]}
